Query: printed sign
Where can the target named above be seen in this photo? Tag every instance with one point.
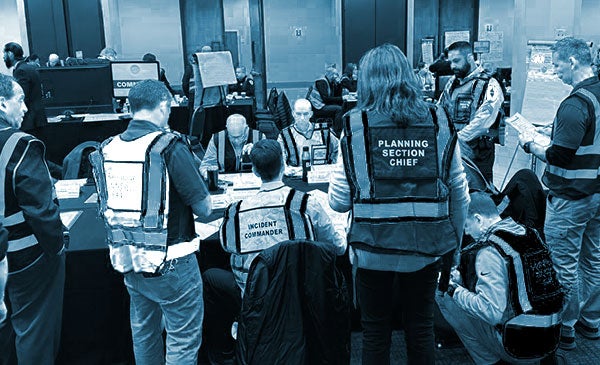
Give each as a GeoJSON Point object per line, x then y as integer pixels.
{"type": "Point", "coordinates": [401, 153]}
{"type": "Point", "coordinates": [216, 68]}
{"type": "Point", "coordinates": [318, 154]}
{"type": "Point", "coordinates": [123, 185]}
{"type": "Point", "coordinates": [126, 74]}
{"type": "Point", "coordinates": [262, 228]}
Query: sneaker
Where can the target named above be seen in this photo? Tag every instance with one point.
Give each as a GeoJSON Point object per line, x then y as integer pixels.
{"type": "Point", "coordinates": [587, 331]}
{"type": "Point", "coordinates": [567, 338]}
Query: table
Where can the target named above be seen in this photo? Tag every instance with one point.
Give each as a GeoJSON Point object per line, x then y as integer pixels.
{"type": "Point", "coordinates": [61, 137]}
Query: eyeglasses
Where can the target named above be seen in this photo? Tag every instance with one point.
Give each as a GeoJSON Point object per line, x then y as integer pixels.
{"type": "Point", "coordinates": [304, 114]}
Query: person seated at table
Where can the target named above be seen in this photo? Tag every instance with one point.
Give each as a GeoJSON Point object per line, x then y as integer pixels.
{"type": "Point", "coordinates": [245, 83]}
{"type": "Point", "coordinates": [486, 291]}
{"type": "Point", "coordinates": [326, 98]}
{"type": "Point", "coordinates": [229, 149]}
{"type": "Point", "coordinates": [149, 57]}
{"type": "Point", "coordinates": [304, 133]}
{"type": "Point", "coordinates": [223, 289]}
{"type": "Point", "coordinates": [54, 61]}
{"type": "Point", "coordinates": [349, 78]}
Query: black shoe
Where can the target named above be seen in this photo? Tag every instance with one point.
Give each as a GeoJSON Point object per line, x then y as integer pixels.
{"type": "Point", "coordinates": [588, 332]}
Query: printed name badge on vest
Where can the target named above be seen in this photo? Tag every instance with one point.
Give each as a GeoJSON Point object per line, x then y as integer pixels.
{"type": "Point", "coordinates": [318, 154]}
{"type": "Point", "coordinates": [403, 153]}
{"type": "Point", "coordinates": [462, 108]}
{"type": "Point", "coordinates": [260, 229]}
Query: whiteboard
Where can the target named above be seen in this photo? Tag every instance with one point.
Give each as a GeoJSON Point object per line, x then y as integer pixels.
{"type": "Point", "coordinates": [216, 68]}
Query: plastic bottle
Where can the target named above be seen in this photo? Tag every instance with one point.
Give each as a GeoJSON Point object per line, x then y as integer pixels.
{"type": "Point", "coordinates": [305, 163]}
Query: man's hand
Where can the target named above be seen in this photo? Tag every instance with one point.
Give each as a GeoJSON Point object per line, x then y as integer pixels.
{"type": "Point", "coordinates": [293, 171]}
{"type": "Point", "coordinates": [455, 277]}
{"type": "Point", "coordinates": [524, 139]}
{"type": "Point", "coordinates": [247, 148]}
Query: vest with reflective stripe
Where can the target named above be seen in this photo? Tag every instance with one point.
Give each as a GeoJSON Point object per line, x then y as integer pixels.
{"type": "Point", "coordinates": [133, 189]}
{"type": "Point", "coordinates": [533, 284]}
{"type": "Point", "coordinates": [13, 145]}
{"type": "Point", "coordinates": [226, 157]}
{"type": "Point", "coordinates": [315, 97]}
{"type": "Point", "coordinates": [582, 176]}
{"type": "Point", "coordinates": [461, 101]}
{"type": "Point", "coordinates": [294, 149]}
{"type": "Point", "coordinates": [248, 230]}
{"type": "Point", "coordinates": [398, 180]}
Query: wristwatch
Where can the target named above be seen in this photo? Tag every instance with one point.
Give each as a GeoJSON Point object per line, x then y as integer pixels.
{"type": "Point", "coordinates": [527, 147]}
{"type": "Point", "coordinates": [451, 289]}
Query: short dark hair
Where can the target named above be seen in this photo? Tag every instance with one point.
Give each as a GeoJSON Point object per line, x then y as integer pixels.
{"type": "Point", "coordinates": [15, 48]}
{"type": "Point", "coordinates": [147, 95]}
{"type": "Point", "coordinates": [573, 47]}
{"type": "Point", "coordinates": [462, 46]}
{"type": "Point", "coordinates": [7, 88]}
{"type": "Point", "coordinates": [149, 57]}
{"type": "Point", "coordinates": [482, 204]}
{"type": "Point", "coordinates": [267, 158]}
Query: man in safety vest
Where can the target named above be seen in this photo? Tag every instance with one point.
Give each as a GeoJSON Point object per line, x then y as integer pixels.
{"type": "Point", "coordinates": [472, 99]}
{"type": "Point", "coordinates": [483, 296]}
{"type": "Point", "coordinates": [149, 185]}
{"type": "Point", "coordinates": [229, 149]}
{"type": "Point", "coordinates": [326, 97]}
{"type": "Point", "coordinates": [259, 222]}
{"type": "Point", "coordinates": [36, 259]}
{"type": "Point", "coordinates": [572, 174]}
{"type": "Point", "coordinates": [320, 139]}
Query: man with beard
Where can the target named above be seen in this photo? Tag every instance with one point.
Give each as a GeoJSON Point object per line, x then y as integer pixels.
{"type": "Point", "coordinates": [245, 83]}
{"type": "Point", "coordinates": [472, 99]}
{"type": "Point", "coordinates": [28, 77]}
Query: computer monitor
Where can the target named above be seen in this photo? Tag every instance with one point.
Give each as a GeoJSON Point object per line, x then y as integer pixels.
{"type": "Point", "coordinates": [125, 74]}
{"type": "Point", "coordinates": [78, 89]}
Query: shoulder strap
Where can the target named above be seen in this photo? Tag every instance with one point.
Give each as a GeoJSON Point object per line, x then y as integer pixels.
{"type": "Point", "coordinates": [290, 146]}
{"type": "Point", "coordinates": [156, 180]}
{"type": "Point", "coordinates": [7, 151]}
{"type": "Point", "coordinates": [450, 143]}
{"type": "Point", "coordinates": [230, 226]}
{"type": "Point", "coordinates": [295, 207]}
{"type": "Point", "coordinates": [221, 145]}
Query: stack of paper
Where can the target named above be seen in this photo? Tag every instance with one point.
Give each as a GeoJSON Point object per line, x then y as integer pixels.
{"type": "Point", "coordinates": [526, 128]}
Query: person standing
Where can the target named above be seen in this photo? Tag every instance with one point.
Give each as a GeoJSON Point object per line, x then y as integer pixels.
{"type": "Point", "coordinates": [149, 185]}
{"type": "Point", "coordinates": [36, 259]}
{"type": "Point", "coordinates": [473, 101]}
{"type": "Point", "coordinates": [162, 76]}
{"type": "Point", "coordinates": [572, 225]}
{"type": "Point", "coordinates": [402, 222]}
{"type": "Point", "coordinates": [29, 78]}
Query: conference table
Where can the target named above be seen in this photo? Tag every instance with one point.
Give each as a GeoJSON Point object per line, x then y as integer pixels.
{"type": "Point", "coordinates": [96, 327]}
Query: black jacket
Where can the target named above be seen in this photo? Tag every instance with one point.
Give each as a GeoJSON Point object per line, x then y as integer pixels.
{"type": "Point", "coordinates": [295, 308]}
{"type": "Point", "coordinates": [29, 78]}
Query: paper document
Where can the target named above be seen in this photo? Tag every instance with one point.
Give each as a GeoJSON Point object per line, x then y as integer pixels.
{"type": "Point", "coordinates": [525, 127]}
{"type": "Point", "coordinates": [68, 189]}
{"type": "Point", "coordinates": [69, 218]}
{"type": "Point", "coordinates": [205, 230]}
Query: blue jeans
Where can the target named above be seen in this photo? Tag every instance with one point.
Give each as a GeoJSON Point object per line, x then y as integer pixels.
{"type": "Point", "coordinates": [417, 292]}
{"type": "Point", "coordinates": [35, 297]}
{"type": "Point", "coordinates": [175, 299]}
{"type": "Point", "coordinates": [572, 231]}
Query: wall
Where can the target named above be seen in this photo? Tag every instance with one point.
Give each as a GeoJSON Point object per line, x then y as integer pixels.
{"type": "Point", "coordinates": [136, 27]}
{"type": "Point", "coordinates": [500, 15]}
{"type": "Point", "coordinates": [236, 16]}
{"type": "Point", "coordinates": [296, 61]}
{"type": "Point", "coordinates": [12, 27]}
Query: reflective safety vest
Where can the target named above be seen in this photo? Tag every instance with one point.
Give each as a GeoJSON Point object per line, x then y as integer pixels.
{"type": "Point", "coordinates": [319, 145]}
{"type": "Point", "coordinates": [133, 190]}
{"type": "Point", "coordinates": [464, 100]}
{"type": "Point", "coordinates": [226, 153]}
{"type": "Point", "coordinates": [535, 294]}
{"type": "Point", "coordinates": [250, 229]}
{"type": "Point", "coordinates": [583, 174]}
{"type": "Point", "coordinates": [399, 183]}
{"type": "Point", "coordinates": [315, 97]}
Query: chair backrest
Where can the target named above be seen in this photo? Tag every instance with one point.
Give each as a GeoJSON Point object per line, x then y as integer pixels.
{"type": "Point", "coordinates": [268, 128]}
{"type": "Point", "coordinates": [197, 123]}
{"type": "Point", "coordinates": [295, 285]}
{"type": "Point", "coordinates": [76, 164]}
{"type": "Point", "coordinates": [283, 113]}
{"type": "Point", "coordinates": [272, 100]}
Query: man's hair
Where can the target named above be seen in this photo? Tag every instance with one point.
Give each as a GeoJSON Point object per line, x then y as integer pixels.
{"type": "Point", "coordinates": [461, 46]}
{"type": "Point", "coordinates": [387, 84]}
{"type": "Point", "coordinates": [7, 89]}
{"type": "Point", "coordinates": [147, 95]}
{"type": "Point", "coordinates": [235, 117]}
{"type": "Point", "coordinates": [303, 102]}
{"type": "Point", "coordinates": [149, 57]}
{"type": "Point", "coordinates": [482, 204]}
{"type": "Point", "coordinates": [33, 57]}
{"type": "Point", "coordinates": [573, 47]}
{"type": "Point", "coordinates": [266, 157]}
{"type": "Point", "coordinates": [108, 53]}
{"type": "Point", "coordinates": [15, 48]}
{"type": "Point", "coordinates": [243, 68]}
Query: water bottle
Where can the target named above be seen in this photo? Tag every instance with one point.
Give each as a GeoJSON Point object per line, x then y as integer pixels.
{"type": "Point", "coordinates": [305, 163]}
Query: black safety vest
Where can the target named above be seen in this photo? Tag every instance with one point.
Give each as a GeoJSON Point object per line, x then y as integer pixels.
{"type": "Point", "coordinates": [294, 151]}
{"type": "Point", "coordinates": [226, 157]}
{"type": "Point", "coordinates": [399, 182]}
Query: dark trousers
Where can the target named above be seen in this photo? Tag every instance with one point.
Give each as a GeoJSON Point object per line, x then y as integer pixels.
{"type": "Point", "coordinates": [334, 112]}
{"type": "Point", "coordinates": [222, 305]}
{"type": "Point", "coordinates": [35, 298]}
{"type": "Point", "coordinates": [484, 152]}
{"type": "Point", "coordinates": [417, 290]}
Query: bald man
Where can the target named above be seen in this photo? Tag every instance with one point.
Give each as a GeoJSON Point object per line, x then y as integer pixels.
{"type": "Point", "coordinates": [54, 61]}
{"type": "Point", "coordinates": [229, 150]}
{"type": "Point", "coordinates": [322, 143]}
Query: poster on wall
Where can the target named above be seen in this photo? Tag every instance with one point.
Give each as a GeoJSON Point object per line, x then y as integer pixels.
{"type": "Point", "coordinates": [427, 50]}
{"type": "Point", "coordinates": [496, 39]}
{"type": "Point", "coordinates": [456, 36]}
